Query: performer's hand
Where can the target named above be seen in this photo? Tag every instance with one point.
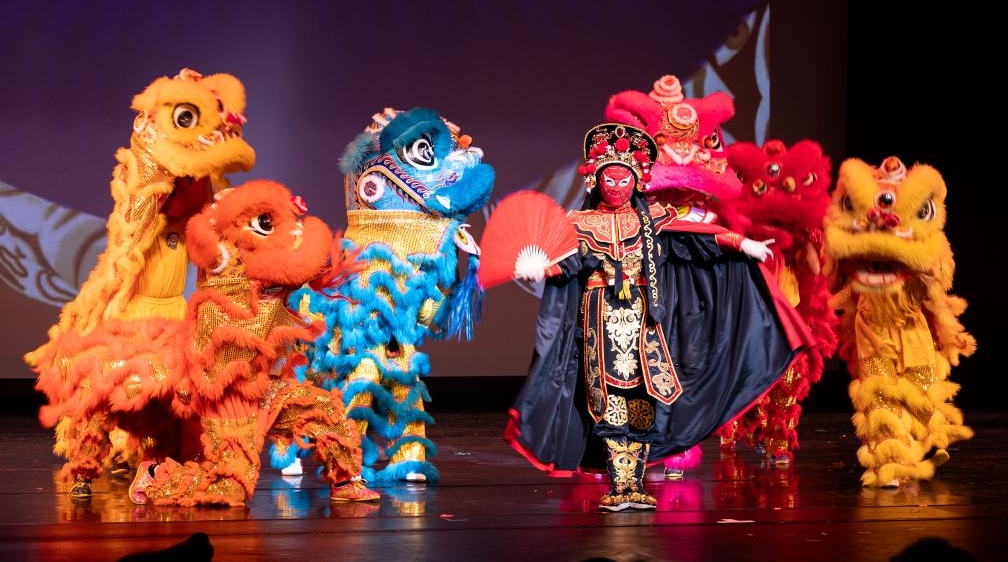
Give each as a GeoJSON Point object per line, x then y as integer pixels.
{"type": "Point", "coordinates": [531, 264]}
{"type": "Point", "coordinates": [757, 250]}
{"type": "Point", "coordinates": [531, 274]}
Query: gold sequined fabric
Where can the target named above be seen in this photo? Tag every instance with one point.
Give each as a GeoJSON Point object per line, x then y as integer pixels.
{"type": "Point", "coordinates": [406, 232]}
{"type": "Point", "coordinates": [626, 463]}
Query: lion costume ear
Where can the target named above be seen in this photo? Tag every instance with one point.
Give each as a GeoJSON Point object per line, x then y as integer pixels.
{"type": "Point", "coordinates": [203, 240]}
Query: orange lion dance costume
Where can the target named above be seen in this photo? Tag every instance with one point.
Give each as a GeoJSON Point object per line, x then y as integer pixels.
{"type": "Point", "coordinates": [890, 267]}
{"type": "Point", "coordinates": [223, 374]}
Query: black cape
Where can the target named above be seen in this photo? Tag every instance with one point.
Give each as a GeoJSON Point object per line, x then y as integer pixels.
{"type": "Point", "coordinates": [730, 331]}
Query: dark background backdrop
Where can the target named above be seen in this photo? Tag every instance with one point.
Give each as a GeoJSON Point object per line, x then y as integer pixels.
{"type": "Point", "coordinates": [525, 80]}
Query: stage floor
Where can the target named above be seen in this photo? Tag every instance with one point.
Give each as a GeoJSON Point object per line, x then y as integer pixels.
{"type": "Point", "coordinates": [491, 505]}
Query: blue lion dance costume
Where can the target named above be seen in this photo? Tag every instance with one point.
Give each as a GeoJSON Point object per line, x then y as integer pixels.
{"type": "Point", "coordinates": [411, 181]}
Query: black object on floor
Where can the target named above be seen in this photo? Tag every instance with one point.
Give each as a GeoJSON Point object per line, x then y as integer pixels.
{"type": "Point", "coordinates": [196, 548]}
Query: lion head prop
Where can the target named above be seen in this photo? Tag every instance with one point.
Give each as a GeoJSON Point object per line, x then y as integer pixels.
{"type": "Point", "coordinates": [416, 160]}
{"type": "Point", "coordinates": [691, 147]}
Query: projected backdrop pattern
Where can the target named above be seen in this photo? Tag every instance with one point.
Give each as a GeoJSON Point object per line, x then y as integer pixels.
{"type": "Point", "coordinates": [68, 107]}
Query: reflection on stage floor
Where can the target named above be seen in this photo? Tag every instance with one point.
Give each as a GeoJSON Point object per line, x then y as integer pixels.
{"type": "Point", "coordinates": [492, 505]}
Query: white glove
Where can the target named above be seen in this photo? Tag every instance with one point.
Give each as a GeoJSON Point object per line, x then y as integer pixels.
{"type": "Point", "coordinates": [757, 250]}
{"type": "Point", "coordinates": [533, 275]}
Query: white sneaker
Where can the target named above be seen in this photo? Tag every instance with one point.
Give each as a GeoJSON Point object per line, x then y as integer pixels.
{"type": "Point", "coordinates": [416, 477]}
{"type": "Point", "coordinates": [293, 469]}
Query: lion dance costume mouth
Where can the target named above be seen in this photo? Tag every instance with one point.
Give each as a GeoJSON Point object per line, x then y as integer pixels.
{"type": "Point", "coordinates": [890, 268]}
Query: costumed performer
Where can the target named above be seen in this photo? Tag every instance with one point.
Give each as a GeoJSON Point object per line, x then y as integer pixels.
{"type": "Point", "coordinates": [411, 180]}
{"type": "Point", "coordinates": [651, 336]}
{"type": "Point", "coordinates": [235, 375]}
{"type": "Point", "coordinates": [890, 268]}
{"type": "Point", "coordinates": [785, 197]}
{"type": "Point", "coordinates": [691, 171]}
{"type": "Point", "coordinates": [223, 373]}
{"type": "Point", "coordinates": [187, 135]}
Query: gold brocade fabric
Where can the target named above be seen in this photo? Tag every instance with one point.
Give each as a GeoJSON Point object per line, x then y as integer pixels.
{"type": "Point", "coordinates": [624, 457]}
{"type": "Point", "coordinates": [903, 409]}
{"type": "Point", "coordinates": [907, 342]}
{"type": "Point", "coordinates": [231, 463]}
{"type": "Point", "coordinates": [623, 350]}
{"type": "Point", "coordinates": [228, 474]}
{"type": "Point", "coordinates": [613, 234]}
{"type": "Point", "coordinates": [268, 316]}
{"type": "Point", "coordinates": [626, 463]}
{"type": "Point", "coordinates": [88, 444]}
{"type": "Point", "coordinates": [409, 451]}
{"type": "Point", "coordinates": [406, 232]}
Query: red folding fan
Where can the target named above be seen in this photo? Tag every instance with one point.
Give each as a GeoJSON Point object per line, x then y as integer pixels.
{"type": "Point", "coordinates": [527, 232]}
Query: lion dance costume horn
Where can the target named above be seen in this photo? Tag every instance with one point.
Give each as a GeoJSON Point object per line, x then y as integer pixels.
{"type": "Point", "coordinates": [411, 180]}
{"type": "Point", "coordinates": [890, 267]}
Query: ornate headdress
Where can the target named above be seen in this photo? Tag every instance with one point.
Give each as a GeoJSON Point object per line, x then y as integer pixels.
{"type": "Point", "coordinates": [616, 143]}
{"type": "Point", "coordinates": [609, 144]}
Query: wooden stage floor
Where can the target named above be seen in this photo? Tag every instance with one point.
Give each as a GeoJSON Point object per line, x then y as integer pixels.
{"type": "Point", "coordinates": [492, 506]}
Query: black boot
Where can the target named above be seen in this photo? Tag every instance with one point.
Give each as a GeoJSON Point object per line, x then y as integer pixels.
{"type": "Point", "coordinates": [639, 499]}
{"type": "Point", "coordinates": [626, 461]}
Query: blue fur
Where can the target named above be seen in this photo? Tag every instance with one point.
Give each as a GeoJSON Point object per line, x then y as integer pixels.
{"type": "Point", "coordinates": [363, 148]}
{"type": "Point", "coordinates": [466, 303]}
{"type": "Point", "coordinates": [408, 125]}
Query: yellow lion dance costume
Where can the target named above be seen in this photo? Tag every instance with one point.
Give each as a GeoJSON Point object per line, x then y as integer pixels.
{"type": "Point", "coordinates": [187, 135]}
{"type": "Point", "coordinates": [890, 267]}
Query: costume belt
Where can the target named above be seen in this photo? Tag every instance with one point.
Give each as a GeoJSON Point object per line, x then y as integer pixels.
{"type": "Point", "coordinates": [598, 283]}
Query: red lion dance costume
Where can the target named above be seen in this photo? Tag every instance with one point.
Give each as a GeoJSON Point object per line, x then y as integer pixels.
{"type": "Point", "coordinates": [784, 197]}
{"type": "Point", "coordinates": [890, 267]}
